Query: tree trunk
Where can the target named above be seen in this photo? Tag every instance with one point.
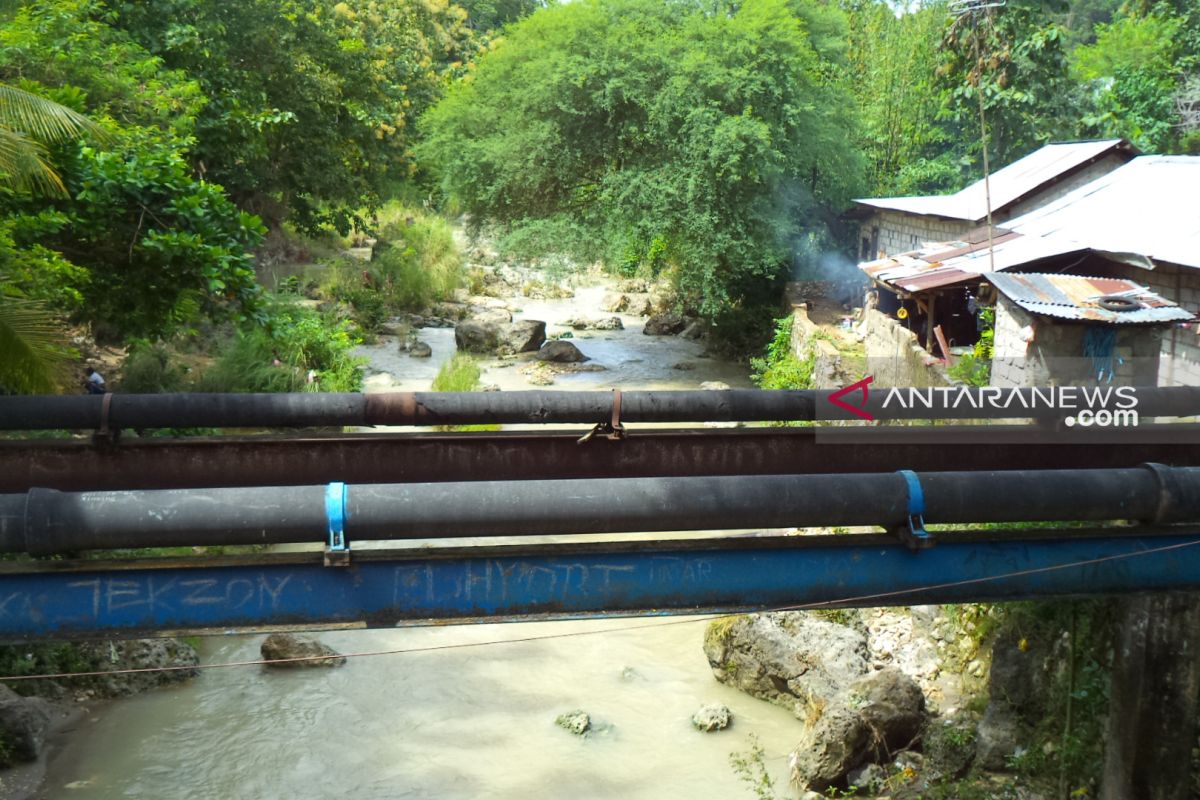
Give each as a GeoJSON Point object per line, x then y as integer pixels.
{"type": "Point", "coordinates": [1152, 713]}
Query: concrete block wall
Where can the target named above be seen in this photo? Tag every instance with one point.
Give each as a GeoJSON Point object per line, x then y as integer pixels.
{"type": "Point", "coordinates": [1180, 365]}
{"type": "Point", "coordinates": [900, 232]}
{"type": "Point", "coordinates": [827, 372]}
{"type": "Point", "coordinates": [1056, 357]}
{"type": "Point", "coordinates": [895, 356]}
{"type": "Point", "coordinates": [1009, 351]}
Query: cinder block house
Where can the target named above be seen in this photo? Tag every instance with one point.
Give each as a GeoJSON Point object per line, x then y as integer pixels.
{"type": "Point", "coordinates": [1139, 222]}
{"type": "Point", "coordinates": [891, 225]}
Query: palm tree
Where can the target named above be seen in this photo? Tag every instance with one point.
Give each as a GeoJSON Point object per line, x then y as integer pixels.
{"type": "Point", "coordinates": [31, 346]}
{"type": "Point", "coordinates": [30, 123]}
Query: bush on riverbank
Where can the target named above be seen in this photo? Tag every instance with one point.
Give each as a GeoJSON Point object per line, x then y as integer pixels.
{"type": "Point", "coordinates": [460, 374]}
{"type": "Point", "coordinates": [295, 350]}
{"type": "Point", "coordinates": [416, 262]}
{"type": "Point", "coordinates": [779, 368]}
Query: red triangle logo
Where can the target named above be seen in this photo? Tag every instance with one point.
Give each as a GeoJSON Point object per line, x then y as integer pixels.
{"type": "Point", "coordinates": [836, 398]}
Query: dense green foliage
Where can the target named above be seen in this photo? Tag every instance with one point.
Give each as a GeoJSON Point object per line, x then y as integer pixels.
{"type": "Point", "coordinates": [309, 104]}
{"type": "Point", "coordinates": [296, 350]}
{"type": "Point", "coordinates": [779, 368]}
{"type": "Point", "coordinates": [460, 374]}
{"type": "Point", "coordinates": [605, 128]}
{"type": "Point", "coordinates": [715, 145]}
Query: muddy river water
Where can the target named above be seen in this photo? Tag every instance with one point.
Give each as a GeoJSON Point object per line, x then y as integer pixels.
{"type": "Point", "coordinates": [460, 722]}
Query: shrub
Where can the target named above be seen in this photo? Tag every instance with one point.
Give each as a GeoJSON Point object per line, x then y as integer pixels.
{"type": "Point", "coordinates": [147, 369]}
{"type": "Point", "coordinates": [460, 374]}
{"type": "Point", "coordinates": [780, 368]}
{"type": "Point", "coordinates": [281, 355]}
{"type": "Point", "coordinates": [417, 261]}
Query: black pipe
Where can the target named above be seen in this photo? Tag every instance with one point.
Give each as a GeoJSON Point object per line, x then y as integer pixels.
{"type": "Point", "coordinates": [84, 465]}
{"type": "Point", "coordinates": [458, 408]}
{"type": "Point", "coordinates": [45, 521]}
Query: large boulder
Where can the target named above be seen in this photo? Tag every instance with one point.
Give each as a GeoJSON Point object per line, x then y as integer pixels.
{"type": "Point", "coordinates": [133, 654]}
{"type": "Point", "coordinates": [613, 302]}
{"type": "Point", "coordinates": [664, 325]}
{"type": "Point", "coordinates": [282, 646]}
{"type": "Point", "coordinates": [640, 306]}
{"type": "Point", "coordinates": [24, 722]}
{"type": "Point", "coordinates": [474, 336]}
{"type": "Point", "coordinates": [561, 352]}
{"type": "Point", "coordinates": [790, 658]}
{"type": "Point", "coordinates": [1018, 690]}
{"type": "Point", "coordinates": [634, 285]}
{"type": "Point", "coordinates": [868, 721]}
{"type": "Point", "coordinates": [524, 336]}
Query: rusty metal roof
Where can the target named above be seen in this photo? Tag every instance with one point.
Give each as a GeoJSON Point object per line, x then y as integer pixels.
{"type": "Point", "coordinates": [1009, 185]}
{"type": "Point", "coordinates": [925, 268]}
{"type": "Point", "coordinates": [1076, 297]}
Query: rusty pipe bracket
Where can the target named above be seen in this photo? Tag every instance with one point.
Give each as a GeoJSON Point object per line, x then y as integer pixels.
{"type": "Point", "coordinates": [612, 430]}
{"type": "Point", "coordinates": [912, 532]}
{"type": "Point", "coordinates": [106, 435]}
{"type": "Point", "coordinates": [337, 548]}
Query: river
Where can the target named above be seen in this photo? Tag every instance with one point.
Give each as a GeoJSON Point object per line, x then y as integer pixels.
{"type": "Point", "coordinates": [465, 722]}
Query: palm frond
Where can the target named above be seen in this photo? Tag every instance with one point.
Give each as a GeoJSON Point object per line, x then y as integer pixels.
{"type": "Point", "coordinates": [25, 164]}
{"type": "Point", "coordinates": [41, 119]}
{"type": "Point", "coordinates": [32, 348]}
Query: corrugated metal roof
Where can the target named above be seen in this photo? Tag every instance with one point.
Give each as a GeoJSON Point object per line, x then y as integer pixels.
{"type": "Point", "coordinates": [1076, 297]}
{"type": "Point", "coordinates": [1008, 185]}
{"type": "Point", "coordinates": [1145, 211]}
{"type": "Point", "coordinates": [928, 268]}
{"type": "Point", "coordinates": [1148, 208]}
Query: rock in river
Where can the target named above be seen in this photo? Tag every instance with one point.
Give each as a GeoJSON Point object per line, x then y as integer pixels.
{"type": "Point", "coordinates": [789, 658]}
{"type": "Point", "coordinates": [868, 721]}
{"type": "Point", "coordinates": [560, 351]}
{"type": "Point", "coordinates": [420, 349]}
{"type": "Point", "coordinates": [712, 717]}
{"type": "Point", "coordinates": [664, 325]}
{"type": "Point", "coordinates": [577, 722]}
{"type": "Point", "coordinates": [286, 645]}
{"type": "Point", "coordinates": [23, 723]}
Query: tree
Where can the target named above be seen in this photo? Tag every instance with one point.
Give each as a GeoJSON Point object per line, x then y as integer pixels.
{"type": "Point", "coordinates": [637, 130]}
{"type": "Point", "coordinates": [138, 243]}
{"type": "Point", "coordinates": [310, 104]}
{"type": "Point", "coordinates": [28, 125]}
{"type": "Point", "coordinates": [1134, 72]}
{"type": "Point", "coordinates": [486, 15]}
{"type": "Point", "coordinates": [30, 343]}
{"type": "Point", "coordinates": [893, 59]}
{"type": "Point", "coordinates": [1015, 56]}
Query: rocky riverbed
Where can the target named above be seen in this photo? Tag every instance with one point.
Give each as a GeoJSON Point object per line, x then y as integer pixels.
{"type": "Point", "coordinates": [892, 701]}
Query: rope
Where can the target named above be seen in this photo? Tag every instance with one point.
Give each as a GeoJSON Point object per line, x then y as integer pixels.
{"type": "Point", "coordinates": [853, 600]}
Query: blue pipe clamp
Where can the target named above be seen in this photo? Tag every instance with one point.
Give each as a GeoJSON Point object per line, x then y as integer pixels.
{"type": "Point", "coordinates": [337, 549]}
{"type": "Point", "coordinates": [912, 533]}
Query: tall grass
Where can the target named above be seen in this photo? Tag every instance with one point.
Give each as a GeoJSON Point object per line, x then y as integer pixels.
{"type": "Point", "coordinates": [417, 261]}
{"type": "Point", "coordinates": [460, 374]}
{"type": "Point", "coordinates": [295, 350]}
